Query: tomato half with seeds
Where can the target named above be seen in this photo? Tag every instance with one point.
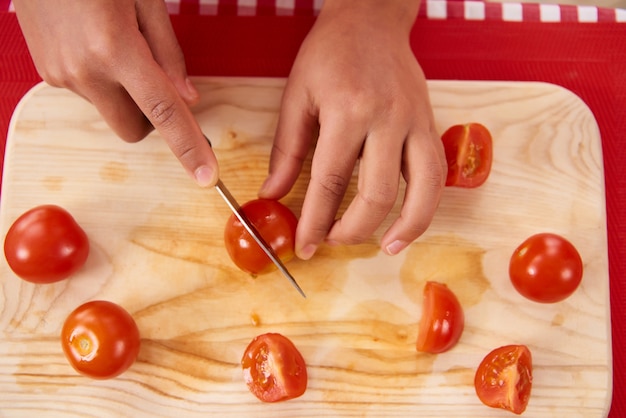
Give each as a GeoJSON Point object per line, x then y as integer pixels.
{"type": "Point", "coordinates": [45, 245]}
{"type": "Point", "coordinates": [469, 153]}
{"type": "Point", "coordinates": [277, 225]}
{"type": "Point", "coordinates": [100, 339]}
{"type": "Point", "coordinates": [546, 268]}
{"type": "Point", "coordinates": [442, 319]}
{"type": "Point", "coordinates": [274, 369]}
{"type": "Point", "coordinates": [504, 378]}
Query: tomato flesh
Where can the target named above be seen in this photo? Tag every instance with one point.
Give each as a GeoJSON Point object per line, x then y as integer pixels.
{"type": "Point", "coordinates": [277, 225]}
{"type": "Point", "coordinates": [274, 369]}
{"type": "Point", "coordinates": [442, 319]}
{"type": "Point", "coordinates": [546, 268]}
{"type": "Point", "coordinates": [504, 378]}
{"type": "Point", "coordinates": [100, 339]}
{"type": "Point", "coordinates": [469, 153]}
{"type": "Point", "coordinates": [46, 245]}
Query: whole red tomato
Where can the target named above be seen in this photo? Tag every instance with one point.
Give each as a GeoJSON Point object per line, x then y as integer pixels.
{"type": "Point", "coordinates": [45, 245]}
{"type": "Point", "coordinates": [504, 378]}
{"type": "Point", "coordinates": [469, 153]}
{"type": "Point", "coordinates": [442, 319]}
{"type": "Point", "coordinates": [277, 225]}
{"type": "Point", "coordinates": [274, 369]}
{"type": "Point", "coordinates": [546, 268]}
{"type": "Point", "coordinates": [100, 339]}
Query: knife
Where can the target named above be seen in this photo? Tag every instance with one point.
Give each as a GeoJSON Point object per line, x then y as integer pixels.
{"type": "Point", "coordinates": [236, 209]}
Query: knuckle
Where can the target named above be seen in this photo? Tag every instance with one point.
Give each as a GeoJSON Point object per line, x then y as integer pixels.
{"type": "Point", "coordinates": [354, 238]}
{"type": "Point", "coordinates": [161, 112]}
{"type": "Point", "coordinates": [435, 175]}
{"type": "Point", "coordinates": [333, 185]}
{"type": "Point", "coordinates": [68, 75]}
{"type": "Point", "coordinates": [379, 199]}
{"type": "Point", "coordinates": [417, 228]}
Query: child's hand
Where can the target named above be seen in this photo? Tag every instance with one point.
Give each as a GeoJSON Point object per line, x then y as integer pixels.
{"type": "Point", "coordinates": [123, 57]}
{"type": "Point", "coordinates": [356, 76]}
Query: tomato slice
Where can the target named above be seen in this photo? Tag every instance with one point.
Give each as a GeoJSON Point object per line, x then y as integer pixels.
{"type": "Point", "coordinates": [277, 225]}
{"type": "Point", "coordinates": [469, 153]}
{"type": "Point", "coordinates": [442, 319]}
{"type": "Point", "coordinates": [504, 378]}
{"type": "Point", "coordinates": [546, 268]}
{"type": "Point", "coordinates": [274, 369]}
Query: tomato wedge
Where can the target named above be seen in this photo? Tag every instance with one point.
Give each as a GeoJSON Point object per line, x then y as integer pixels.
{"type": "Point", "coordinates": [469, 152]}
{"type": "Point", "coordinates": [442, 319]}
{"type": "Point", "coordinates": [504, 378]}
{"type": "Point", "coordinates": [274, 369]}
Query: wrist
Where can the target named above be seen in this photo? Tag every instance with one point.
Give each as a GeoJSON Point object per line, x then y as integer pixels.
{"type": "Point", "coordinates": [395, 14]}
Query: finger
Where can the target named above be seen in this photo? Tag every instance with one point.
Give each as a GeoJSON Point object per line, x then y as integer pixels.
{"type": "Point", "coordinates": [379, 177]}
{"type": "Point", "coordinates": [119, 111]}
{"type": "Point", "coordinates": [330, 175]}
{"type": "Point", "coordinates": [159, 100]}
{"type": "Point", "coordinates": [155, 25]}
{"type": "Point", "coordinates": [424, 169]}
{"type": "Point", "coordinates": [295, 131]}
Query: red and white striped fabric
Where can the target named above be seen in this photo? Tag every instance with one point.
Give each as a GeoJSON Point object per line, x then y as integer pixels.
{"type": "Point", "coordinates": [430, 9]}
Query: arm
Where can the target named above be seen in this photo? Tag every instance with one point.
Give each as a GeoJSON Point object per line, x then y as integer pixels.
{"type": "Point", "coordinates": [123, 57]}
{"type": "Point", "coordinates": [356, 76]}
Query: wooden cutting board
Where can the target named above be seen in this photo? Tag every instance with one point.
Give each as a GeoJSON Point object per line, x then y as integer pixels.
{"type": "Point", "coordinates": [157, 250]}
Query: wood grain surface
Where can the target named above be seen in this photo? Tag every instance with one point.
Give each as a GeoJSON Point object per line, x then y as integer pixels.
{"type": "Point", "coordinates": [157, 250]}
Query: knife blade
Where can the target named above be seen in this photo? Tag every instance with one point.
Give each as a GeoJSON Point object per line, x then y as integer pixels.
{"type": "Point", "coordinates": [236, 209]}
{"type": "Point", "coordinates": [230, 200]}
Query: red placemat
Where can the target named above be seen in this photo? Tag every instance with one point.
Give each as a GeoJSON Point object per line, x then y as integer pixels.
{"type": "Point", "coordinates": [587, 58]}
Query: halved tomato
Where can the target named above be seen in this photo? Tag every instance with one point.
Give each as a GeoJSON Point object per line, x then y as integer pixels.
{"type": "Point", "coordinates": [504, 378]}
{"type": "Point", "coordinates": [469, 152]}
{"type": "Point", "coordinates": [442, 319]}
{"type": "Point", "coordinates": [274, 369]}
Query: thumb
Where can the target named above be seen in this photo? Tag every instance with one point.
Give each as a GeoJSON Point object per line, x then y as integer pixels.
{"type": "Point", "coordinates": [156, 27]}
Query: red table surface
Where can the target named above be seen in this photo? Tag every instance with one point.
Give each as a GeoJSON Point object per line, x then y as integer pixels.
{"type": "Point", "coordinates": [587, 58]}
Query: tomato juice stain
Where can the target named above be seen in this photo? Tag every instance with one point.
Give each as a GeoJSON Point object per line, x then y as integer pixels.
{"type": "Point", "coordinates": [447, 259]}
{"type": "Point", "coordinates": [53, 183]}
{"type": "Point", "coordinates": [114, 172]}
{"type": "Point", "coordinates": [558, 320]}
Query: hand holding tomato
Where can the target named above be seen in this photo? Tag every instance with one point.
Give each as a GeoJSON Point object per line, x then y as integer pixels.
{"type": "Point", "coordinates": [45, 245]}
{"type": "Point", "coordinates": [357, 79]}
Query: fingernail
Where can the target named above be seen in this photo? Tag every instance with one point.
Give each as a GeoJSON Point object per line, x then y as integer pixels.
{"type": "Point", "coordinates": [205, 176]}
{"type": "Point", "coordinates": [395, 247]}
{"type": "Point", "coordinates": [307, 251]}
